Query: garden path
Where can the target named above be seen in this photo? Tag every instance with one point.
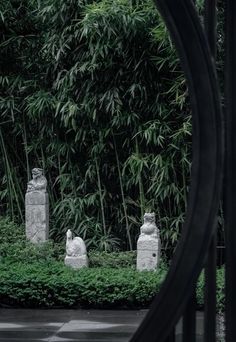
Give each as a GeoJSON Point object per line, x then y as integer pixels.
{"type": "Point", "coordinates": [56, 325]}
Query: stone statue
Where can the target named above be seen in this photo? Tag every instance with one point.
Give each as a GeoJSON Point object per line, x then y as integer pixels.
{"type": "Point", "coordinates": [38, 183]}
{"type": "Point", "coordinates": [149, 226]}
{"type": "Point", "coordinates": [37, 208]}
{"type": "Point", "coordinates": [149, 244]}
{"type": "Point", "coordinates": [76, 253]}
{"type": "Point", "coordinates": [76, 246]}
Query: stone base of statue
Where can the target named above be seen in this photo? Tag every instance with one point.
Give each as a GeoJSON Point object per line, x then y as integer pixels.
{"type": "Point", "coordinates": [148, 253]}
{"type": "Point", "coordinates": [76, 262]}
{"type": "Point", "coordinates": [36, 216]}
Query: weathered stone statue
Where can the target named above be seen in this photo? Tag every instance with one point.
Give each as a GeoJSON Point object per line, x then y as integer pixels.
{"type": "Point", "coordinates": [149, 244]}
{"type": "Point", "coordinates": [38, 183]}
{"type": "Point", "coordinates": [149, 226]}
{"type": "Point", "coordinates": [37, 208]}
{"type": "Point", "coordinates": [76, 253]}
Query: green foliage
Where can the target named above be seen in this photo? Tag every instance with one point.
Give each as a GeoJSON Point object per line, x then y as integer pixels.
{"type": "Point", "coordinates": [15, 248]}
{"type": "Point", "coordinates": [33, 275]}
{"type": "Point", "coordinates": [25, 251]}
{"type": "Point", "coordinates": [52, 284]}
{"type": "Point", "coordinates": [220, 290]}
{"type": "Point", "coordinates": [93, 92]}
{"type": "Point", "coordinates": [114, 260]}
{"type": "Point", "coordinates": [10, 232]}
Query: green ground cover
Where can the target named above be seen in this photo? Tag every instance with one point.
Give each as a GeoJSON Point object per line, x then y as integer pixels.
{"type": "Point", "coordinates": [35, 276]}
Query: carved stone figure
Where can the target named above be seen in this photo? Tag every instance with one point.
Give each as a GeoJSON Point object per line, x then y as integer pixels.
{"type": "Point", "coordinates": [39, 182]}
{"type": "Point", "coordinates": [149, 244]}
{"type": "Point", "coordinates": [149, 225]}
{"type": "Point", "coordinates": [37, 208]}
{"type": "Point", "coordinates": [76, 246]}
{"type": "Point", "coordinates": [76, 253]}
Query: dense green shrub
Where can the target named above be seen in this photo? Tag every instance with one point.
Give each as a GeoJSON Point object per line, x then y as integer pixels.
{"type": "Point", "coordinates": [10, 232]}
{"type": "Point", "coordinates": [31, 275]}
{"type": "Point", "coordinates": [220, 289]}
{"type": "Point", "coordinates": [113, 259]}
{"type": "Point", "coordinates": [52, 284]}
{"type": "Point", "coordinates": [15, 248]}
{"type": "Point", "coordinates": [23, 250]}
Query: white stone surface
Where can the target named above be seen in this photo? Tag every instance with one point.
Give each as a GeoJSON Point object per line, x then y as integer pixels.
{"type": "Point", "coordinates": [76, 262]}
{"type": "Point", "coordinates": [36, 216]}
{"type": "Point", "coordinates": [76, 253]}
{"type": "Point", "coordinates": [148, 245]}
{"type": "Point", "coordinates": [76, 246]}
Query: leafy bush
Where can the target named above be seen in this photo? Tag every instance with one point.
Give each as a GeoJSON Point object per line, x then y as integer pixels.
{"type": "Point", "coordinates": [113, 259]}
{"type": "Point", "coordinates": [220, 289]}
{"type": "Point", "coordinates": [53, 284]}
{"type": "Point", "coordinates": [25, 251]}
{"type": "Point", "coordinates": [32, 275]}
{"type": "Point", "coordinates": [10, 232]}
{"type": "Point", "coordinates": [15, 248]}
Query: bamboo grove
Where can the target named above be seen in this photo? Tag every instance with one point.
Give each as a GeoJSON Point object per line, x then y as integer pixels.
{"type": "Point", "coordinates": [93, 92]}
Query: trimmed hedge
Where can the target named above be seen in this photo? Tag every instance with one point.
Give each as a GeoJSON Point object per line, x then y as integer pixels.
{"type": "Point", "coordinates": [35, 276]}
{"type": "Point", "coordinates": [23, 250]}
{"type": "Point", "coordinates": [52, 284]}
{"type": "Point", "coordinates": [112, 259]}
{"type": "Point", "coordinates": [15, 248]}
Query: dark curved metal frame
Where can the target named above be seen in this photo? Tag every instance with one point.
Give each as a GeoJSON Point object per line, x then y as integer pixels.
{"type": "Point", "coordinates": [177, 292]}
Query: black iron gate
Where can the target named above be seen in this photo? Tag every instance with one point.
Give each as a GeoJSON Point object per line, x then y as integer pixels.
{"type": "Point", "coordinates": [213, 165]}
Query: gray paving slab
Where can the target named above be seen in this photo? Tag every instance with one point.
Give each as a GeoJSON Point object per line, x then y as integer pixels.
{"type": "Point", "coordinates": [18, 325]}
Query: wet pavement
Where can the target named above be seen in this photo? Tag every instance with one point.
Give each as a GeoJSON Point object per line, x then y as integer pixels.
{"type": "Point", "coordinates": [18, 325]}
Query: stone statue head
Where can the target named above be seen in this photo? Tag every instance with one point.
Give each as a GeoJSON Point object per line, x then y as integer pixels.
{"type": "Point", "coordinates": [149, 218]}
{"type": "Point", "coordinates": [69, 234]}
{"type": "Point", "coordinates": [37, 172]}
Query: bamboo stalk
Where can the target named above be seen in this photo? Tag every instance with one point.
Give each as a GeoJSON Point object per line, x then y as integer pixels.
{"type": "Point", "coordinates": [140, 185]}
{"type": "Point", "coordinates": [122, 195]}
{"type": "Point", "coordinates": [11, 183]}
{"type": "Point", "coordinates": [100, 196]}
{"type": "Point", "coordinates": [25, 148]}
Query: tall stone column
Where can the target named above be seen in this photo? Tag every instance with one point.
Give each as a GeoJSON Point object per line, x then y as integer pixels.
{"type": "Point", "coordinates": [37, 208]}
{"type": "Point", "coordinates": [148, 245]}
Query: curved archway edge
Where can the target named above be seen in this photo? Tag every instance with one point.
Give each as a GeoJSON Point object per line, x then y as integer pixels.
{"type": "Point", "coordinates": [187, 33]}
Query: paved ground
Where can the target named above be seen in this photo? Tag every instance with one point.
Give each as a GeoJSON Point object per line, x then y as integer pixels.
{"type": "Point", "coordinates": [23, 325]}
{"type": "Point", "coordinates": [18, 325]}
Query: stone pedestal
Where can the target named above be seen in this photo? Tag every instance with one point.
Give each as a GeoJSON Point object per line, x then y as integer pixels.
{"type": "Point", "coordinates": [148, 253]}
{"type": "Point", "coordinates": [76, 262]}
{"type": "Point", "coordinates": [36, 216]}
